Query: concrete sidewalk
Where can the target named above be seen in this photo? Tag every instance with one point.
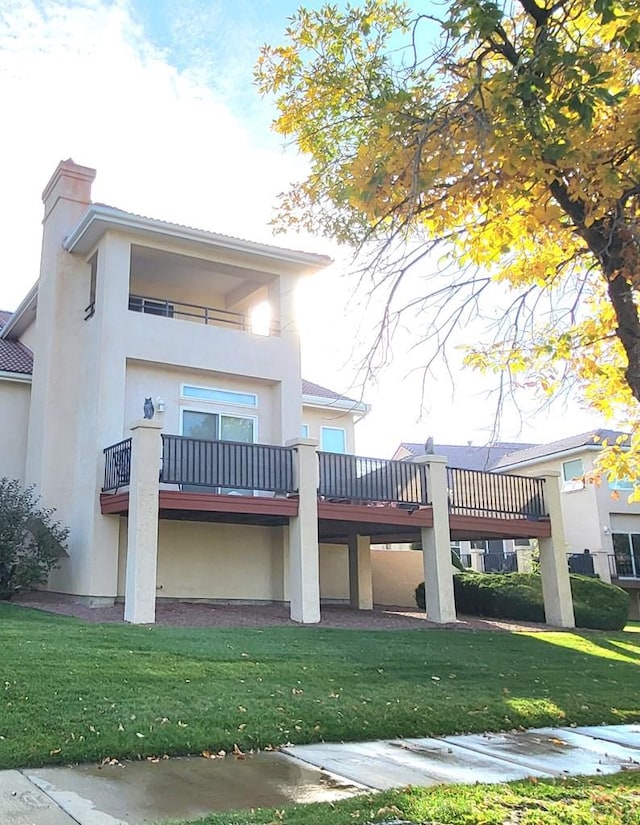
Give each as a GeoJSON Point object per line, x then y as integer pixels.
{"type": "Point", "coordinates": [142, 792]}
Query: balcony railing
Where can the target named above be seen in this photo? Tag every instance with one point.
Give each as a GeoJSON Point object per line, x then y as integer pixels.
{"type": "Point", "coordinates": [117, 465]}
{"type": "Point", "coordinates": [354, 478]}
{"type": "Point", "coordinates": [189, 312]}
{"type": "Point", "coordinates": [622, 567]}
{"type": "Point", "coordinates": [226, 466]}
{"type": "Point", "coordinates": [497, 495]}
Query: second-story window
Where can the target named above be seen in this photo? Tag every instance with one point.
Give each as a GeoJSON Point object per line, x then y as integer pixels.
{"type": "Point", "coordinates": [572, 475]}
{"type": "Point", "coordinates": [333, 440]}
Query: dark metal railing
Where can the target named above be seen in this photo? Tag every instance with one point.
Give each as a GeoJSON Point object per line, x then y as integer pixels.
{"type": "Point", "coordinates": [354, 478]}
{"type": "Point", "coordinates": [117, 465]}
{"type": "Point", "coordinates": [500, 562]}
{"type": "Point", "coordinates": [226, 466]}
{"type": "Point", "coordinates": [621, 567]}
{"type": "Point", "coordinates": [191, 312]}
{"type": "Point", "coordinates": [581, 563]}
{"type": "Point", "coordinates": [498, 495]}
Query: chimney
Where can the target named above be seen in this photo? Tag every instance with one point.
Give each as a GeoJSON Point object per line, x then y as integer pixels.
{"type": "Point", "coordinates": [69, 182]}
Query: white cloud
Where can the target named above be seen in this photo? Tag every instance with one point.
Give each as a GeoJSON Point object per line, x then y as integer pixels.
{"type": "Point", "coordinates": [80, 81]}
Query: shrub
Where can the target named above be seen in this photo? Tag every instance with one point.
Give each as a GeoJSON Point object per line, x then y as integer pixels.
{"type": "Point", "coordinates": [519, 596]}
{"type": "Point", "coordinates": [31, 542]}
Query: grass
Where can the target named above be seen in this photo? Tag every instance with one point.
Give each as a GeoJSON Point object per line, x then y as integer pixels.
{"type": "Point", "coordinates": [611, 800]}
{"type": "Point", "coordinates": [72, 691]}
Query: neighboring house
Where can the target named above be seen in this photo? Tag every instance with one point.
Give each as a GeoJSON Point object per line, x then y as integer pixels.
{"type": "Point", "coordinates": [596, 513]}
{"type": "Point", "coordinates": [220, 492]}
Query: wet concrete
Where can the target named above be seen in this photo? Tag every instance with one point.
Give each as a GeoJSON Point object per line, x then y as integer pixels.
{"type": "Point", "coordinates": [553, 751]}
{"type": "Point", "coordinates": [23, 804]}
{"type": "Point", "coordinates": [393, 764]}
{"type": "Point", "coordinates": [628, 735]}
{"type": "Point", "coordinates": [143, 792]}
{"type": "Point", "coordinates": [138, 792]}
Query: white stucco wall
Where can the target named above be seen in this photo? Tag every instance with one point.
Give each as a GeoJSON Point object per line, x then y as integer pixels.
{"type": "Point", "coordinates": [14, 420]}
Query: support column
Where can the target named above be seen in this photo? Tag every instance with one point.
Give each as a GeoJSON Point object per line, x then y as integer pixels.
{"type": "Point", "coordinates": [142, 539]}
{"type": "Point", "coordinates": [304, 561]}
{"type": "Point", "coordinates": [524, 558]}
{"type": "Point", "coordinates": [477, 560]}
{"type": "Point", "coordinates": [554, 570]}
{"type": "Point", "coordinates": [360, 581]}
{"type": "Point", "coordinates": [436, 545]}
{"type": "Point", "coordinates": [601, 566]}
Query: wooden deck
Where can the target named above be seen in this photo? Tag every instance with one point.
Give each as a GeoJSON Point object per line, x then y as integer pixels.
{"type": "Point", "coordinates": [337, 520]}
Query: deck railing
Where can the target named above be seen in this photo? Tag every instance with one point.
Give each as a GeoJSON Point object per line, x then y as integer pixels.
{"type": "Point", "coordinates": [497, 495]}
{"type": "Point", "coordinates": [117, 465]}
{"type": "Point", "coordinates": [226, 466]}
{"type": "Point", "coordinates": [622, 567]}
{"type": "Point", "coordinates": [354, 478]}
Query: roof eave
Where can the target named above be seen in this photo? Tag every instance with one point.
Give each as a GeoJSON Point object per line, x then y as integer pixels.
{"type": "Point", "coordinates": [98, 219]}
{"type": "Point", "coordinates": [547, 456]}
{"type": "Point", "coordinates": [16, 324]}
{"type": "Point", "coordinates": [17, 377]}
{"type": "Point", "coordinates": [335, 404]}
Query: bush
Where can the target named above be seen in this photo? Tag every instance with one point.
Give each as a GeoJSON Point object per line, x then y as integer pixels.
{"type": "Point", "coordinates": [519, 596]}
{"type": "Point", "coordinates": [31, 543]}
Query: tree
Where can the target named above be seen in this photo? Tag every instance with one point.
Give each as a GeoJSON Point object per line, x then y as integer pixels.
{"type": "Point", "coordinates": [31, 542]}
{"type": "Point", "coordinates": [511, 146]}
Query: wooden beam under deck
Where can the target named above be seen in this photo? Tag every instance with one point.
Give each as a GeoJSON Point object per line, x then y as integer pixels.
{"type": "Point", "coordinates": [337, 520]}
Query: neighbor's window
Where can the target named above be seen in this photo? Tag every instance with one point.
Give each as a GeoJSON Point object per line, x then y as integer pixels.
{"type": "Point", "coordinates": [333, 440]}
{"type": "Point", "coordinates": [304, 431]}
{"type": "Point", "coordinates": [621, 484]}
{"type": "Point", "coordinates": [572, 470]}
{"type": "Point", "coordinates": [246, 399]}
{"type": "Point", "coordinates": [478, 544]}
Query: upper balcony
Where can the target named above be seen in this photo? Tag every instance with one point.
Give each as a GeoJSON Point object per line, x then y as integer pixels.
{"type": "Point", "coordinates": [200, 291]}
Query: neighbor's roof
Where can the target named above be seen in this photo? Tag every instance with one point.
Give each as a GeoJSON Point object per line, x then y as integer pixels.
{"type": "Point", "coordinates": [14, 356]}
{"type": "Point", "coordinates": [99, 217]}
{"type": "Point", "coordinates": [592, 438]}
{"type": "Point", "coordinates": [4, 317]}
{"type": "Point", "coordinates": [468, 456]}
{"type": "Point", "coordinates": [317, 394]}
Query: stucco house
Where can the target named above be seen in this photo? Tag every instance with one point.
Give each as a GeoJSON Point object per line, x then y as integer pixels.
{"type": "Point", "coordinates": [596, 513]}
{"type": "Point", "coordinates": [151, 389]}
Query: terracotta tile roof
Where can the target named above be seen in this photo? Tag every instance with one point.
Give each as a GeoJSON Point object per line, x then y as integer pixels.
{"type": "Point", "coordinates": [15, 357]}
{"type": "Point", "coordinates": [469, 456]}
{"type": "Point", "coordinates": [309, 388]}
{"type": "Point", "coordinates": [592, 438]}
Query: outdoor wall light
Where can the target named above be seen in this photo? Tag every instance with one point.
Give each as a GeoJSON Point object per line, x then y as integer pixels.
{"type": "Point", "coordinates": [160, 405]}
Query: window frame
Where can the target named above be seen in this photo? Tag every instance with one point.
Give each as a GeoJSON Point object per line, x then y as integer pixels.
{"type": "Point", "coordinates": [222, 390]}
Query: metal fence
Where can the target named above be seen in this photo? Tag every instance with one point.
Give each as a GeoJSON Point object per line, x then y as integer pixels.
{"type": "Point", "coordinates": [226, 466]}
{"type": "Point", "coordinates": [354, 478]}
{"type": "Point", "coordinates": [117, 465]}
{"type": "Point", "coordinates": [498, 495]}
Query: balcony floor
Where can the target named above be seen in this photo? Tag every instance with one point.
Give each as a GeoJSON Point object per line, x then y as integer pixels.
{"type": "Point", "coordinates": [337, 520]}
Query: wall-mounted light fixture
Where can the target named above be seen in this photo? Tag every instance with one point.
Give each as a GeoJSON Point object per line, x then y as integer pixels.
{"type": "Point", "coordinates": [606, 530]}
{"type": "Point", "coordinates": [160, 405]}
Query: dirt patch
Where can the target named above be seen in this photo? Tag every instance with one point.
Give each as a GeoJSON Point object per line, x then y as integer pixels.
{"type": "Point", "coordinates": [189, 614]}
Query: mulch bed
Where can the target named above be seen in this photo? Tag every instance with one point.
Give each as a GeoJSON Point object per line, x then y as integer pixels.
{"type": "Point", "coordinates": [190, 614]}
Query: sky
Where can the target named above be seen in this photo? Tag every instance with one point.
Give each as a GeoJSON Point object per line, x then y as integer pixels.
{"type": "Point", "coordinates": [157, 95]}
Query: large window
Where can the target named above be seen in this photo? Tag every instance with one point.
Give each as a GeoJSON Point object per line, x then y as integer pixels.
{"type": "Point", "coordinates": [626, 547]}
{"type": "Point", "coordinates": [333, 440]}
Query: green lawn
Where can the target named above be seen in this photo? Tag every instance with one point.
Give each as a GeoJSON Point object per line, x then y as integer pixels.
{"type": "Point", "coordinates": [78, 692]}
{"type": "Point", "coordinates": [612, 800]}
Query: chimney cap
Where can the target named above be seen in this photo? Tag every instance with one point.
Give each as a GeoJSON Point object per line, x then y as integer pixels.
{"type": "Point", "coordinates": [78, 178]}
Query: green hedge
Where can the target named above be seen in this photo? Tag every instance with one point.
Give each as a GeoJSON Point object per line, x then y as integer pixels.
{"type": "Point", "coordinates": [519, 596]}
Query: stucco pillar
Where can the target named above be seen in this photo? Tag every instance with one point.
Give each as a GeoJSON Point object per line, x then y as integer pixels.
{"type": "Point", "coordinates": [304, 561]}
{"type": "Point", "coordinates": [360, 579]}
{"type": "Point", "coordinates": [601, 565]}
{"type": "Point", "coordinates": [436, 545]}
{"type": "Point", "coordinates": [142, 540]}
{"type": "Point", "coordinates": [554, 570]}
{"type": "Point", "coordinates": [524, 557]}
{"type": "Point", "coordinates": [477, 560]}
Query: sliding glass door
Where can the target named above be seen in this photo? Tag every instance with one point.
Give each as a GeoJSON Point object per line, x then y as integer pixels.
{"type": "Point", "coordinates": [210, 426]}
